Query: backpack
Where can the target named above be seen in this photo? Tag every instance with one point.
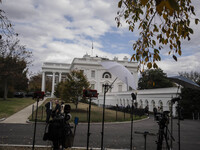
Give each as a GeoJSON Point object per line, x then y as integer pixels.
{"type": "Point", "coordinates": [59, 130]}
{"type": "Point", "coordinates": [56, 129]}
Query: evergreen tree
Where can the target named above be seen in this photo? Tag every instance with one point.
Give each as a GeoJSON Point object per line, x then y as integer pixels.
{"type": "Point", "coordinates": [190, 98]}
{"type": "Point", "coordinates": [154, 78]}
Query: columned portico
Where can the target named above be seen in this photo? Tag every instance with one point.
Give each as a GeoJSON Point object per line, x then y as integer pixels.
{"type": "Point", "coordinates": [53, 70]}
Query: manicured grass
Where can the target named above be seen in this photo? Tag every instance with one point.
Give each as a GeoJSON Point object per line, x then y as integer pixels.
{"type": "Point", "coordinates": [13, 105]}
{"type": "Point", "coordinates": [96, 114]}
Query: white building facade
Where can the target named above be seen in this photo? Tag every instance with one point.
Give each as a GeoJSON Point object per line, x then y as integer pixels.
{"type": "Point", "coordinates": [97, 76]}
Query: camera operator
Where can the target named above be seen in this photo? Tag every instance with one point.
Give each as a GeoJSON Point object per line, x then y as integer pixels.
{"type": "Point", "coordinates": [62, 130]}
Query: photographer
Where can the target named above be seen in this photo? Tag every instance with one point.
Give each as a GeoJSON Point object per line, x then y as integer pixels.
{"type": "Point", "coordinates": [60, 130]}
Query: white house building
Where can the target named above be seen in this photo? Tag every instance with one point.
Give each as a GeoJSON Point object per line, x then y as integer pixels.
{"type": "Point", "coordinates": [97, 76]}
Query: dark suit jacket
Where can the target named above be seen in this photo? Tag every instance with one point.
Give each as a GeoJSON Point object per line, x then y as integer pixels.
{"type": "Point", "coordinates": [57, 109]}
{"type": "Point", "coordinates": [47, 105]}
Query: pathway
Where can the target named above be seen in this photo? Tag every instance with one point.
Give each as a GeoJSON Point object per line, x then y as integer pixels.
{"type": "Point", "coordinates": [21, 117]}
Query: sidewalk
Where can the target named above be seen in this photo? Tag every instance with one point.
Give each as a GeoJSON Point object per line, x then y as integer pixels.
{"type": "Point", "coordinates": [21, 117]}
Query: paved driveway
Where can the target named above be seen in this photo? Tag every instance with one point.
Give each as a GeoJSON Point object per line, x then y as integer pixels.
{"type": "Point", "coordinates": [117, 135]}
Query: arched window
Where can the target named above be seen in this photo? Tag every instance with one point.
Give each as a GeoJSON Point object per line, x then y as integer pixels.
{"type": "Point", "coordinates": [152, 106]}
{"type": "Point", "coordinates": [153, 103]}
{"type": "Point", "coordinates": [160, 106]}
{"type": "Point", "coordinates": [106, 75]}
{"type": "Point", "coordinates": [146, 103]}
{"type": "Point", "coordinates": [141, 104]}
{"type": "Point", "coordinates": [169, 105]}
{"type": "Point", "coordinates": [128, 102]}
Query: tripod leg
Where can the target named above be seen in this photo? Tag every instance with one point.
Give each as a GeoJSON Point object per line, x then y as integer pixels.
{"type": "Point", "coordinates": [160, 139]}
{"type": "Point", "coordinates": [145, 141]}
{"type": "Point", "coordinates": [166, 140]}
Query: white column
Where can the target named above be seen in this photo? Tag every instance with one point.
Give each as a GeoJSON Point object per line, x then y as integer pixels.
{"type": "Point", "coordinates": [43, 81]}
{"type": "Point", "coordinates": [98, 80]}
{"type": "Point", "coordinates": [53, 85]}
{"type": "Point", "coordinates": [60, 76]}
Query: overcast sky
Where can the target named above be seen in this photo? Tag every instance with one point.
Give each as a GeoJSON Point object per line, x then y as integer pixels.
{"type": "Point", "coordinates": [60, 30]}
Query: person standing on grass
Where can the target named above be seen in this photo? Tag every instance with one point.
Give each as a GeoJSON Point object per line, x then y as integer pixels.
{"type": "Point", "coordinates": [49, 106]}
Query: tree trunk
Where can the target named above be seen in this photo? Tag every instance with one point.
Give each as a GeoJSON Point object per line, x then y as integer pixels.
{"type": "Point", "coordinates": [5, 89]}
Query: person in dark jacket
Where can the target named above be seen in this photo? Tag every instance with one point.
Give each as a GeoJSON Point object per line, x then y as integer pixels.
{"type": "Point", "coordinates": [57, 109]}
{"type": "Point", "coordinates": [62, 130]}
{"type": "Point", "coordinates": [49, 106]}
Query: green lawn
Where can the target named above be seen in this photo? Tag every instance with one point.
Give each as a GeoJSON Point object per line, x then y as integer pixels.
{"type": "Point", "coordinates": [13, 105]}
{"type": "Point", "coordinates": [96, 114]}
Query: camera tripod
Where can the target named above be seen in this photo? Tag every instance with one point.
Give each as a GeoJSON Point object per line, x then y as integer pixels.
{"type": "Point", "coordinates": [163, 133]}
{"type": "Point", "coordinates": [145, 133]}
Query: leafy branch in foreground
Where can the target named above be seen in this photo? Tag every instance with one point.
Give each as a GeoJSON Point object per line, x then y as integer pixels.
{"type": "Point", "coordinates": [160, 23]}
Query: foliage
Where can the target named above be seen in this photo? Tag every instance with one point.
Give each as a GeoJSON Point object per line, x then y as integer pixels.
{"type": "Point", "coordinates": [190, 102]}
{"type": "Point", "coordinates": [190, 97]}
{"type": "Point", "coordinates": [72, 88]}
{"type": "Point", "coordinates": [193, 75]}
{"type": "Point", "coordinates": [13, 64]}
{"type": "Point", "coordinates": [59, 90]}
{"type": "Point", "coordinates": [35, 83]}
{"type": "Point", "coordinates": [154, 78]}
{"type": "Point", "coordinates": [160, 22]}
{"type": "Point", "coordinates": [14, 58]}
{"type": "Point", "coordinates": [6, 26]}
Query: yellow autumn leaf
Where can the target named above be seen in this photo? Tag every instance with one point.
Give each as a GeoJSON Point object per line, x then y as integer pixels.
{"type": "Point", "coordinates": [179, 52]}
{"type": "Point", "coordinates": [144, 2]}
{"type": "Point", "coordinates": [165, 16]}
{"type": "Point", "coordinates": [149, 65]}
{"type": "Point", "coordinates": [146, 59]}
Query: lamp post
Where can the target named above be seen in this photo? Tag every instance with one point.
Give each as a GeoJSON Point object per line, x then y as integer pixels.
{"type": "Point", "coordinates": [33, 147]}
{"type": "Point", "coordinates": [106, 88]}
{"type": "Point", "coordinates": [133, 101]}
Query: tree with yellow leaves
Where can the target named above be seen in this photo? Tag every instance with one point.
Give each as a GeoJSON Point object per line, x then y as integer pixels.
{"type": "Point", "coordinates": [160, 22]}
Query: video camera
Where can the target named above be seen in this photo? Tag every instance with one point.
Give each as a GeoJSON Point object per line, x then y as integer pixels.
{"type": "Point", "coordinates": [38, 95]}
{"type": "Point", "coordinates": [163, 118]}
{"type": "Point", "coordinates": [90, 93]}
{"type": "Point", "coordinates": [176, 99]}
